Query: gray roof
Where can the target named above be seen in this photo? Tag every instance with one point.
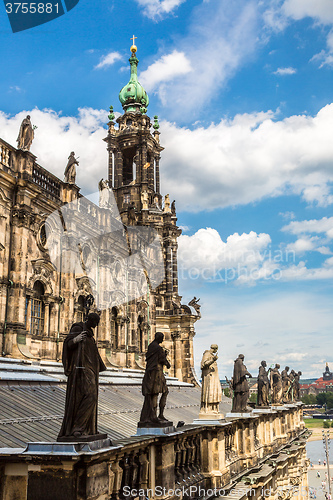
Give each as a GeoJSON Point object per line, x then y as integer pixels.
{"type": "Point", "coordinates": [32, 400]}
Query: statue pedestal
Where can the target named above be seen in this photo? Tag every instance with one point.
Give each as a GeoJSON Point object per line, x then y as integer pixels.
{"type": "Point", "coordinates": [262, 409]}
{"type": "Point", "coordinates": [73, 447]}
{"type": "Point", "coordinates": [209, 418]}
{"type": "Point", "coordinates": [155, 431]}
{"type": "Point", "coordinates": [239, 415]}
{"type": "Point", "coordinates": [82, 439]}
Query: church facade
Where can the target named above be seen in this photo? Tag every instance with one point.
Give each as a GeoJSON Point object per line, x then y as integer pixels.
{"type": "Point", "coordinates": [44, 289]}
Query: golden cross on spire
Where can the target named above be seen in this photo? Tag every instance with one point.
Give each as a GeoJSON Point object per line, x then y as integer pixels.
{"type": "Point", "coordinates": [133, 39]}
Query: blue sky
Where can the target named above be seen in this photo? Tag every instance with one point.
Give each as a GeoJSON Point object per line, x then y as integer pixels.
{"type": "Point", "coordinates": [244, 93]}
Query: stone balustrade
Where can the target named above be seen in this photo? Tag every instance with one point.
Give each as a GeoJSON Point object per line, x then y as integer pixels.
{"type": "Point", "coordinates": [48, 182]}
{"type": "Point", "coordinates": [263, 452]}
{"type": "Point", "coordinates": [5, 154]}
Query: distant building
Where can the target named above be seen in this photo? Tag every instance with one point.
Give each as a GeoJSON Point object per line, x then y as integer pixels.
{"type": "Point", "coordinates": [322, 384]}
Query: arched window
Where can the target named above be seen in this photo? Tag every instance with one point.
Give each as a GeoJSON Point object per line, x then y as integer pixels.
{"type": "Point", "coordinates": [140, 333]}
{"type": "Point", "coordinates": [80, 311]}
{"type": "Point", "coordinates": [114, 329]}
{"type": "Point", "coordinates": [37, 309]}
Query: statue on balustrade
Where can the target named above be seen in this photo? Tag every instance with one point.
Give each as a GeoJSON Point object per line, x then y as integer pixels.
{"type": "Point", "coordinates": [276, 381]}
{"type": "Point", "coordinates": [153, 384]}
{"type": "Point", "coordinates": [26, 134]}
{"type": "Point", "coordinates": [297, 395]}
{"type": "Point", "coordinates": [104, 194]}
{"type": "Point", "coordinates": [286, 385]}
{"type": "Point", "coordinates": [263, 385]}
{"type": "Point", "coordinates": [240, 386]}
{"type": "Point", "coordinates": [82, 364]}
{"type": "Point", "coordinates": [211, 392]}
{"type": "Point", "coordinates": [70, 170]}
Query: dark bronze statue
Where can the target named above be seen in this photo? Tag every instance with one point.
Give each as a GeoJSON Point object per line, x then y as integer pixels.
{"type": "Point", "coordinates": [82, 364]}
{"type": "Point", "coordinates": [153, 384]}
{"type": "Point", "coordinates": [240, 386]}
{"type": "Point", "coordinates": [277, 385]}
{"type": "Point", "coordinates": [263, 385]}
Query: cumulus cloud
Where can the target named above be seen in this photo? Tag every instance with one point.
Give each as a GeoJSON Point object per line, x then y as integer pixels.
{"type": "Point", "coordinates": [316, 226]}
{"type": "Point", "coordinates": [248, 158]}
{"type": "Point", "coordinates": [108, 60]}
{"type": "Point", "coordinates": [57, 135]}
{"type": "Point", "coordinates": [285, 71]}
{"type": "Point", "coordinates": [299, 9]}
{"type": "Point", "coordinates": [206, 255]}
{"type": "Point", "coordinates": [165, 69]}
{"type": "Point", "coordinates": [234, 162]}
{"type": "Point", "coordinates": [157, 9]}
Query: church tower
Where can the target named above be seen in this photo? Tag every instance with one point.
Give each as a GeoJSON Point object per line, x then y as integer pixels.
{"type": "Point", "coordinates": [134, 174]}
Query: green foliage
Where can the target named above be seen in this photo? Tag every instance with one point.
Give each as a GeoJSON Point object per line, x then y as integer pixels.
{"type": "Point", "coordinates": [325, 398]}
{"type": "Point", "coordinates": [253, 398]}
{"type": "Point", "coordinates": [332, 424]}
{"type": "Point", "coordinates": [326, 424]}
{"type": "Point", "coordinates": [309, 399]}
{"type": "Point", "coordinates": [227, 392]}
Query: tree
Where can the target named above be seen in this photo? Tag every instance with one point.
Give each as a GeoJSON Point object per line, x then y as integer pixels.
{"type": "Point", "coordinates": [326, 424]}
{"type": "Point", "coordinates": [321, 398]}
{"type": "Point", "coordinates": [253, 398]}
{"type": "Point", "coordinates": [227, 392]}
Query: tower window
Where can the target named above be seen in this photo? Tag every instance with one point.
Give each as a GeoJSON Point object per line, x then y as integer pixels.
{"type": "Point", "coordinates": [127, 198]}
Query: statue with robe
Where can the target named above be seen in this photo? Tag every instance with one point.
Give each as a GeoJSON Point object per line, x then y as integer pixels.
{"type": "Point", "coordinates": [26, 134]}
{"type": "Point", "coordinates": [297, 377]}
{"type": "Point", "coordinates": [104, 194]}
{"type": "Point", "coordinates": [153, 384]}
{"type": "Point", "coordinates": [276, 385]}
{"type": "Point", "coordinates": [286, 385]}
{"type": "Point", "coordinates": [167, 204]}
{"type": "Point", "coordinates": [82, 364]}
{"type": "Point", "coordinates": [263, 385]}
{"type": "Point", "coordinates": [240, 386]}
{"type": "Point", "coordinates": [211, 392]}
{"type": "Point", "coordinates": [144, 200]}
{"type": "Point", "coordinates": [70, 170]}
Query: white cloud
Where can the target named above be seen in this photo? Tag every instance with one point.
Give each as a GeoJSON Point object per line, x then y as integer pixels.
{"type": "Point", "coordinates": [318, 9]}
{"type": "Point", "coordinates": [325, 57]}
{"type": "Point", "coordinates": [206, 254]}
{"type": "Point", "coordinates": [249, 158]}
{"type": "Point", "coordinates": [58, 135]}
{"type": "Point", "coordinates": [108, 60]}
{"type": "Point", "coordinates": [156, 9]}
{"type": "Point", "coordinates": [165, 69]}
{"type": "Point", "coordinates": [303, 245]}
{"type": "Point", "coordinates": [285, 71]}
{"type": "Point", "coordinates": [313, 226]}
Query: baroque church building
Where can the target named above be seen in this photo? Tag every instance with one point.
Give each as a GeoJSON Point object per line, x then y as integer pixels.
{"type": "Point", "coordinates": [41, 295]}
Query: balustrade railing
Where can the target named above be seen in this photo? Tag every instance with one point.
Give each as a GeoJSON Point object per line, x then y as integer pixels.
{"type": "Point", "coordinates": [4, 155]}
{"type": "Point", "coordinates": [50, 183]}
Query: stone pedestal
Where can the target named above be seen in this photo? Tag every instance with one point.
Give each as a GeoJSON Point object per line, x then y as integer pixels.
{"type": "Point", "coordinates": [238, 415]}
{"type": "Point", "coordinates": [82, 439]}
{"type": "Point", "coordinates": [68, 448]}
{"type": "Point", "coordinates": [155, 431]}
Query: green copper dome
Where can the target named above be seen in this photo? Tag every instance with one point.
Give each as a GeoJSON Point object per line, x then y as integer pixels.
{"type": "Point", "coordinates": [133, 96]}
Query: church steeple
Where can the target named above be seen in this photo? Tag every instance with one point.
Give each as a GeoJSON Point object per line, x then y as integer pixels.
{"type": "Point", "coordinates": [133, 96]}
{"type": "Point", "coordinates": [134, 151]}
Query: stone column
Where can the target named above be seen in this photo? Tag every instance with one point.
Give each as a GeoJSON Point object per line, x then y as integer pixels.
{"type": "Point", "coordinates": [157, 173]}
{"type": "Point", "coordinates": [177, 348]}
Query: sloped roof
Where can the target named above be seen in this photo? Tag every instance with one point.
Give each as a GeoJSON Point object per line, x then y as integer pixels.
{"type": "Point", "coordinates": [32, 401]}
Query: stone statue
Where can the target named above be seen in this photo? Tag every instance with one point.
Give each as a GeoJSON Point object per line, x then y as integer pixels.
{"type": "Point", "coordinates": [131, 214]}
{"type": "Point", "coordinates": [194, 303]}
{"type": "Point", "coordinates": [153, 384]}
{"type": "Point", "coordinates": [104, 194]}
{"type": "Point", "coordinates": [144, 200]}
{"type": "Point", "coordinates": [173, 207]}
{"type": "Point", "coordinates": [70, 170]}
{"type": "Point", "coordinates": [263, 385]}
{"type": "Point", "coordinates": [297, 395]}
{"type": "Point", "coordinates": [211, 392]}
{"type": "Point", "coordinates": [276, 385]}
{"type": "Point", "coordinates": [157, 202]}
{"type": "Point", "coordinates": [26, 134]}
{"type": "Point", "coordinates": [240, 386]}
{"type": "Point", "coordinates": [286, 385]}
{"type": "Point", "coordinates": [167, 208]}
{"type": "Point", "coordinates": [82, 364]}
